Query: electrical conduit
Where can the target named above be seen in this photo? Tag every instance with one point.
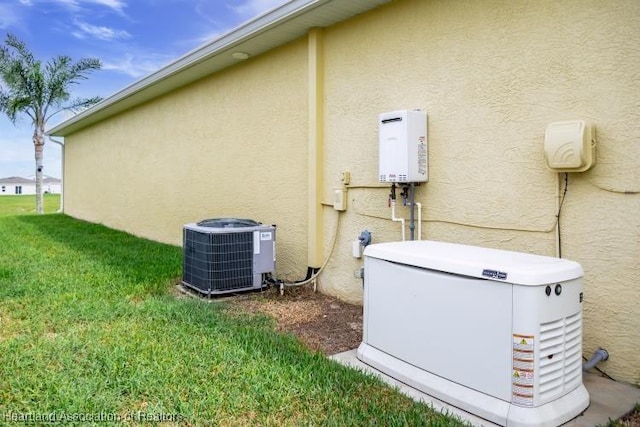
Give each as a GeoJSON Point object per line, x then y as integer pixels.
{"type": "Point", "coordinates": [419, 206]}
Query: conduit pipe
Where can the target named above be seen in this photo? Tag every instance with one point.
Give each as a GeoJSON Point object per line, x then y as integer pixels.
{"type": "Point", "coordinates": [557, 227]}
{"type": "Point", "coordinates": [600, 355]}
{"type": "Point", "coordinates": [412, 200]}
{"type": "Point", "coordinates": [419, 206]}
{"type": "Point", "coordinates": [394, 219]}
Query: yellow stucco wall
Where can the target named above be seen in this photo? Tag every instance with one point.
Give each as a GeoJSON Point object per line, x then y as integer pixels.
{"type": "Point", "coordinates": [492, 75]}
{"type": "Point", "coordinates": [231, 145]}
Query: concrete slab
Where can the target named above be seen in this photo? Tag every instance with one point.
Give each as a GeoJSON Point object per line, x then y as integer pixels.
{"type": "Point", "coordinates": [609, 399]}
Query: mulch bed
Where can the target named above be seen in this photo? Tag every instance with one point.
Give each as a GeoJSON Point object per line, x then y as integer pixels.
{"type": "Point", "coordinates": [321, 322]}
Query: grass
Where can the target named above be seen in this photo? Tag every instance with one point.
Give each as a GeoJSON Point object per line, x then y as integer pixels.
{"type": "Point", "coordinates": [21, 205]}
{"type": "Point", "coordinates": [90, 331]}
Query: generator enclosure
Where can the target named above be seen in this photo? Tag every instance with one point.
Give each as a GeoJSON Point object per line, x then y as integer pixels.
{"type": "Point", "coordinates": [403, 146]}
{"type": "Point", "coordinates": [495, 333]}
{"type": "Point", "coordinates": [225, 255]}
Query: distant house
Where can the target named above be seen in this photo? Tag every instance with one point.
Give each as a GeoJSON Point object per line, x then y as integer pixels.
{"type": "Point", "coordinates": [18, 185]}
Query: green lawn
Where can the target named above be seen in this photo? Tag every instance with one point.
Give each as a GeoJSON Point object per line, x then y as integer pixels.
{"type": "Point", "coordinates": [20, 205]}
{"type": "Point", "coordinates": [89, 328]}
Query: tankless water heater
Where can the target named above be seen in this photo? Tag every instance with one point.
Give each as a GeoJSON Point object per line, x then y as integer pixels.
{"type": "Point", "coordinates": [403, 146]}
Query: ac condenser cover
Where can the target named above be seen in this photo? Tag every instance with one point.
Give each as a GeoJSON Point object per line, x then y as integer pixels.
{"type": "Point", "coordinates": [496, 333]}
{"type": "Point", "coordinates": [226, 255]}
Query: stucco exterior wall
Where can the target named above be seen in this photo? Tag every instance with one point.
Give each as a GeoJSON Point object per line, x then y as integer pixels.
{"type": "Point", "coordinates": [492, 75]}
{"type": "Point", "coordinates": [231, 145]}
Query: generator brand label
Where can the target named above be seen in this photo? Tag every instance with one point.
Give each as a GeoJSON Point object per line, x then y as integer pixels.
{"type": "Point", "coordinates": [494, 274]}
{"type": "Point", "coordinates": [523, 378]}
{"type": "Point", "coordinates": [265, 235]}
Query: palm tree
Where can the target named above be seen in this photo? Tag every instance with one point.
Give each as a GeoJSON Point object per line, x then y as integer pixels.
{"type": "Point", "coordinates": [40, 92]}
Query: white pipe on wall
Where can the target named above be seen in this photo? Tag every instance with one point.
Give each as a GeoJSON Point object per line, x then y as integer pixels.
{"type": "Point", "coordinates": [61, 144]}
{"type": "Point", "coordinates": [393, 217]}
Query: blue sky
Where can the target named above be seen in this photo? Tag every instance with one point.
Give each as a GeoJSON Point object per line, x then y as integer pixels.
{"type": "Point", "coordinates": [132, 38]}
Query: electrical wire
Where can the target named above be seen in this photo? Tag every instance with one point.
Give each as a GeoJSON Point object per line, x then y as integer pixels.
{"type": "Point", "coordinates": [613, 190]}
{"type": "Point", "coordinates": [564, 194]}
{"type": "Point", "coordinates": [489, 227]}
{"type": "Point", "coordinates": [464, 224]}
{"type": "Point", "coordinates": [324, 264]}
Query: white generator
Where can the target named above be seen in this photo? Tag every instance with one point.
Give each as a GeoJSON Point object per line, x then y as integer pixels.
{"type": "Point", "coordinates": [495, 333]}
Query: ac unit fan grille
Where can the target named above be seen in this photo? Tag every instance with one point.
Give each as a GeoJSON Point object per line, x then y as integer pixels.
{"type": "Point", "coordinates": [218, 262]}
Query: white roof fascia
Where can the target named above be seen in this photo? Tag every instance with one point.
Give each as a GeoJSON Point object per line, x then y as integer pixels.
{"type": "Point", "coordinates": [260, 34]}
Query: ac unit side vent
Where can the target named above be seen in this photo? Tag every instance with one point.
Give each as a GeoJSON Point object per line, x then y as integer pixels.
{"type": "Point", "coordinates": [560, 357]}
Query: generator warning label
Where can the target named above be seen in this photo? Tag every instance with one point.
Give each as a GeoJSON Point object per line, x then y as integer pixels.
{"type": "Point", "coordinates": [523, 378]}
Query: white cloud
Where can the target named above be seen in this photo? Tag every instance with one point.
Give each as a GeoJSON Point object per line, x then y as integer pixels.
{"type": "Point", "coordinates": [136, 66]}
{"type": "Point", "coordinates": [201, 40]}
{"type": "Point", "coordinates": [251, 8]}
{"type": "Point", "coordinates": [99, 32]}
{"type": "Point", "coordinates": [73, 4]}
{"type": "Point", "coordinates": [245, 9]}
{"type": "Point", "coordinates": [8, 16]}
{"type": "Point", "coordinates": [116, 5]}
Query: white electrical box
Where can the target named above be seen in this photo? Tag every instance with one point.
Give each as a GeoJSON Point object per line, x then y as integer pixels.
{"type": "Point", "coordinates": [403, 146]}
{"type": "Point", "coordinates": [495, 333]}
{"type": "Point", "coordinates": [340, 199]}
{"type": "Point", "coordinates": [570, 146]}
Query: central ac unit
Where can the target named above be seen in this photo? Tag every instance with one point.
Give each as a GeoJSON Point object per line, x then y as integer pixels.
{"type": "Point", "coordinates": [227, 255]}
{"type": "Point", "coordinates": [496, 333]}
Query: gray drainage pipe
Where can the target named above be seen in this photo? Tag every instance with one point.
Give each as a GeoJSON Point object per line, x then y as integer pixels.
{"type": "Point", "coordinates": [600, 355]}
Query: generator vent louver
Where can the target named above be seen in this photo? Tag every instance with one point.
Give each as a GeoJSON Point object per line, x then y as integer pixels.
{"type": "Point", "coordinates": [560, 356]}
{"type": "Point", "coordinates": [227, 255]}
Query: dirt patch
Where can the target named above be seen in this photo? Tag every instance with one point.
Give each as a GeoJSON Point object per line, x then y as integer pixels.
{"type": "Point", "coordinates": [321, 322]}
{"type": "Point", "coordinates": [631, 420]}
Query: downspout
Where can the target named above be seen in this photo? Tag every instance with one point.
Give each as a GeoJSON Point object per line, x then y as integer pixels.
{"type": "Point", "coordinates": [316, 148]}
{"type": "Point", "coordinates": [61, 144]}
